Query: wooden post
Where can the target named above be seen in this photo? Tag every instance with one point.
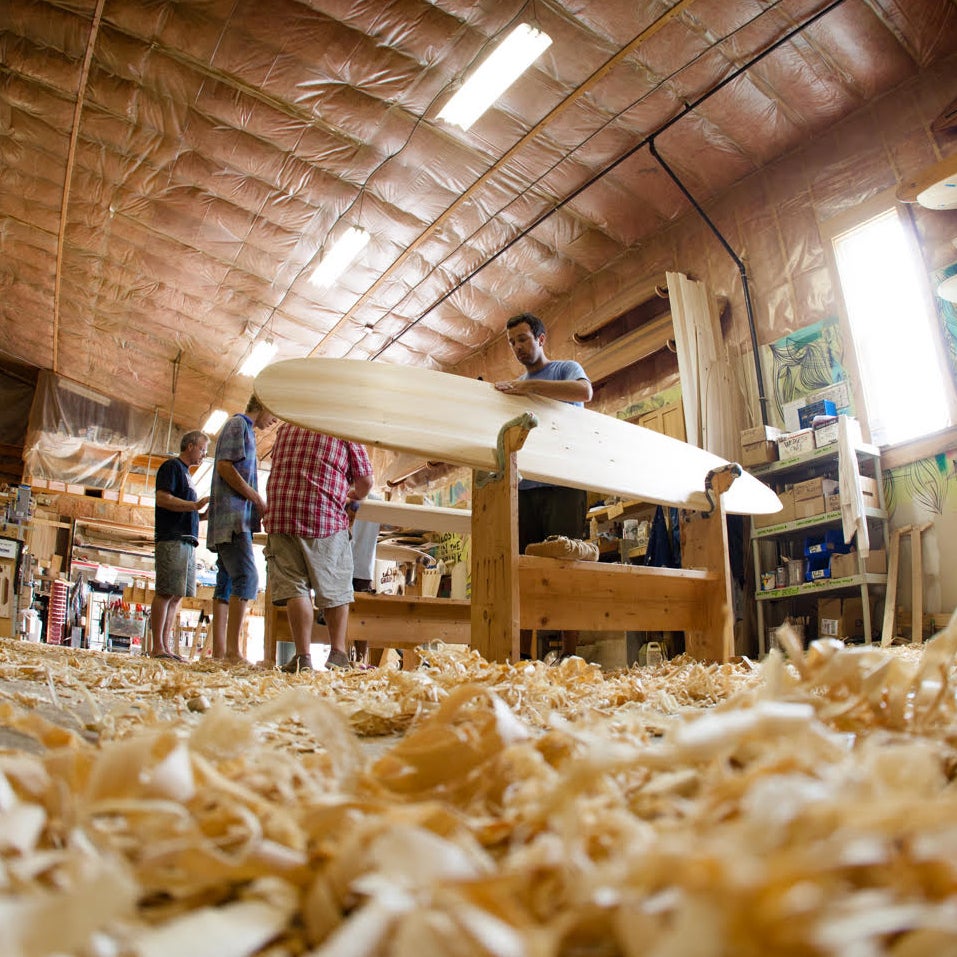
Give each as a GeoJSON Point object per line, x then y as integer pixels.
{"type": "Point", "coordinates": [890, 592]}
{"type": "Point", "coordinates": [704, 544]}
{"type": "Point", "coordinates": [917, 584]}
{"type": "Point", "coordinates": [495, 585]}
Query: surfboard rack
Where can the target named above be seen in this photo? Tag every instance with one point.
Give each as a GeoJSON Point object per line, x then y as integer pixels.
{"type": "Point", "coordinates": [513, 592]}
{"type": "Point", "coordinates": [725, 475]}
{"type": "Point", "coordinates": [521, 425]}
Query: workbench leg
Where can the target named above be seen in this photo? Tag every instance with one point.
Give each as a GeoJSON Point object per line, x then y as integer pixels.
{"type": "Point", "coordinates": [495, 597]}
{"type": "Point", "coordinates": [704, 544]}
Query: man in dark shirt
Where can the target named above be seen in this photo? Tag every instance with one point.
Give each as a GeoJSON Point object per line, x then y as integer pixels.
{"type": "Point", "coordinates": [176, 536]}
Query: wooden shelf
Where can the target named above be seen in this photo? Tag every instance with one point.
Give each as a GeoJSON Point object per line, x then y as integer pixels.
{"type": "Point", "coordinates": [808, 458]}
{"type": "Point", "coordinates": [814, 521]}
{"type": "Point", "coordinates": [821, 586]}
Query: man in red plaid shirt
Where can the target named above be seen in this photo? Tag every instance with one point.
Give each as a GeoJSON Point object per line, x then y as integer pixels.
{"type": "Point", "coordinates": [315, 478]}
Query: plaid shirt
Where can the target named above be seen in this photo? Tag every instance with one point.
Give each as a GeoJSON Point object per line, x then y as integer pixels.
{"type": "Point", "coordinates": [311, 475]}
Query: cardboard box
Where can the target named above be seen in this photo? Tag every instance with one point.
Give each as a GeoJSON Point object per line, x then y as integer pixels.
{"type": "Point", "coordinates": [759, 453]}
{"type": "Point", "coordinates": [825, 435]}
{"type": "Point", "coordinates": [843, 566]}
{"type": "Point", "coordinates": [760, 433]}
{"type": "Point", "coordinates": [813, 488]}
{"type": "Point", "coordinates": [876, 562]}
{"type": "Point", "coordinates": [832, 503]}
{"type": "Point", "coordinates": [829, 620]}
{"type": "Point", "coordinates": [852, 617]}
{"type": "Point", "coordinates": [796, 443]}
{"type": "Point", "coordinates": [779, 518]}
{"type": "Point", "coordinates": [809, 507]}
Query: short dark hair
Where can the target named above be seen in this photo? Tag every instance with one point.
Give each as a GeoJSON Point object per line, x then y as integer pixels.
{"type": "Point", "coordinates": [254, 405]}
{"type": "Point", "coordinates": [193, 438]}
{"type": "Point", "coordinates": [532, 321]}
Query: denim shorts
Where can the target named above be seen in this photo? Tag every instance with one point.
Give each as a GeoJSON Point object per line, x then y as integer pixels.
{"type": "Point", "coordinates": [236, 574]}
{"type": "Point", "coordinates": [175, 569]}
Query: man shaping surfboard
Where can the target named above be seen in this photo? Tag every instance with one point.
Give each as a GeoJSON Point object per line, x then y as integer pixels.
{"type": "Point", "coordinates": [545, 509]}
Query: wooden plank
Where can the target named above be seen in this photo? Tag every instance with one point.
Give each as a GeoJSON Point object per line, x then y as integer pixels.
{"type": "Point", "coordinates": [559, 594]}
{"type": "Point", "coordinates": [890, 594]}
{"type": "Point", "coordinates": [704, 543]}
{"type": "Point", "coordinates": [917, 584]}
{"type": "Point", "coordinates": [383, 621]}
{"type": "Point", "coordinates": [431, 518]}
{"type": "Point", "coordinates": [495, 583]}
{"type": "Point", "coordinates": [630, 348]}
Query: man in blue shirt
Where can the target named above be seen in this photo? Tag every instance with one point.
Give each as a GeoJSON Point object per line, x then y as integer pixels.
{"type": "Point", "coordinates": [176, 534]}
{"type": "Point", "coordinates": [544, 509]}
{"type": "Point", "coordinates": [235, 512]}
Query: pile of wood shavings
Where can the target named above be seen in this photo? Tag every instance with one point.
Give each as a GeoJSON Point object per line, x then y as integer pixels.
{"type": "Point", "coordinates": [806, 807]}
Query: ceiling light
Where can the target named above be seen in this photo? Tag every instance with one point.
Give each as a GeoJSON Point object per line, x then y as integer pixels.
{"type": "Point", "coordinates": [335, 262]}
{"type": "Point", "coordinates": [259, 358]}
{"type": "Point", "coordinates": [504, 65]}
{"type": "Point", "coordinates": [215, 421]}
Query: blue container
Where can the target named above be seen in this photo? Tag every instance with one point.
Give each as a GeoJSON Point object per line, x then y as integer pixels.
{"type": "Point", "coordinates": [817, 566]}
{"type": "Point", "coordinates": [821, 407]}
{"type": "Point", "coordinates": [831, 541]}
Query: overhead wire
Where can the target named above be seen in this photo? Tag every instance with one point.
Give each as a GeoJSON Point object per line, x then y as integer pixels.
{"type": "Point", "coordinates": [627, 154]}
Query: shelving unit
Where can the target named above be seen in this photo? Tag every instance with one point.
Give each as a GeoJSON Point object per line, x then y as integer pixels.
{"type": "Point", "coordinates": [789, 536]}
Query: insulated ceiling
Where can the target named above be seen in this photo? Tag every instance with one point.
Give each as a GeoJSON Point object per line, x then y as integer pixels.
{"type": "Point", "coordinates": [171, 171]}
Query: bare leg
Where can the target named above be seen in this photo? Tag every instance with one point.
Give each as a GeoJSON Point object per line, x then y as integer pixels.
{"type": "Point", "coordinates": [172, 620]}
{"type": "Point", "coordinates": [157, 622]}
{"type": "Point", "coordinates": [220, 612]}
{"type": "Point", "coordinates": [237, 615]}
{"type": "Point", "coordinates": [163, 611]}
{"type": "Point", "coordinates": [300, 614]}
{"type": "Point", "coordinates": [337, 621]}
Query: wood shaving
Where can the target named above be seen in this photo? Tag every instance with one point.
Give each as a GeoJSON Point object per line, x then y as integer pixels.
{"type": "Point", "coordinates": [805, 805]}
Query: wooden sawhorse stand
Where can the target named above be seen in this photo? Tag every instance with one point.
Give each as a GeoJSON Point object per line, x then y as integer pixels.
{"type": "Point", "coordinates": [511, 592]}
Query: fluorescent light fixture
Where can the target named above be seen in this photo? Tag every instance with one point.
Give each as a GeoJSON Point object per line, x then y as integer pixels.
{"type": "Point", "coordinates": [259, 358]}
{"type": "Point", "coordinates": [505, 64]}
{"type": "Point", "coordinates": [215, 421]}
{"type": "Point", "coordinates": [335, 261]}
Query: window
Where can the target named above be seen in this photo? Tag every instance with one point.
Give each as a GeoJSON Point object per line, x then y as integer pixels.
{"type": "Point", "coordinates": [903, 381]}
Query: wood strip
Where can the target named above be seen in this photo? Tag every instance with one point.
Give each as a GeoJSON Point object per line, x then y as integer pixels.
{"type": "Point", "coordinates": [559, 594]}
{"type": "Point", "coordinates": [630, 348]}
{"type": "Point", "coordinates": [890, 594]}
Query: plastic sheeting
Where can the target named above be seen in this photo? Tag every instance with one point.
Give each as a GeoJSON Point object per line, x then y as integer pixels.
{"type": "Point", "coordinates": [78, 436]}
{"type": "Point", "coordinates": [220, 146]}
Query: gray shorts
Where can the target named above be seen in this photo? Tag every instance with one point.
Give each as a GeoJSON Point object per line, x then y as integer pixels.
{"type": "Point", "coordinates": [175, 569]}
{"type": "Point", "coordinates": [295, 565]}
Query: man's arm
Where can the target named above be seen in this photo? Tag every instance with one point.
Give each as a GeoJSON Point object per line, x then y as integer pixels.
{"type": "Point", "coordinates": [228, 473]}
{"type": "Point", "coordinates": [361, 487]}
{"type": "Point", "coordinates": [565, 390]}
{"type": "Point", "coordinates": [171, 503]}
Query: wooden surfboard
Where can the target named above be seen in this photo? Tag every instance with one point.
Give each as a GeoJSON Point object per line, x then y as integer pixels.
{"type": "Point", "coordinates": [456, 419]}
{"type": "Point", "coordinates": [430, 518]}
{"type": "Point", "coordinates": [934, 187]}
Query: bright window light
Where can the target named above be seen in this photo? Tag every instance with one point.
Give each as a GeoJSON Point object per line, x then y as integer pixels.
{"type": "Point", "coordinates": [259, 358]}
{"type": "Point", "coordinates": [901, 375]}
{"type": "Point", "coordinates": [335, 261]}
{"type": "Point", "coordinates": [505, 64]}
{"type": "Point", "coordinates": [215, 421]}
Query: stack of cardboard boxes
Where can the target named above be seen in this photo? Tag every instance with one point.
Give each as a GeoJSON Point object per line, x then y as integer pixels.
{"type": "Point", "coordinates": [818, 428]}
